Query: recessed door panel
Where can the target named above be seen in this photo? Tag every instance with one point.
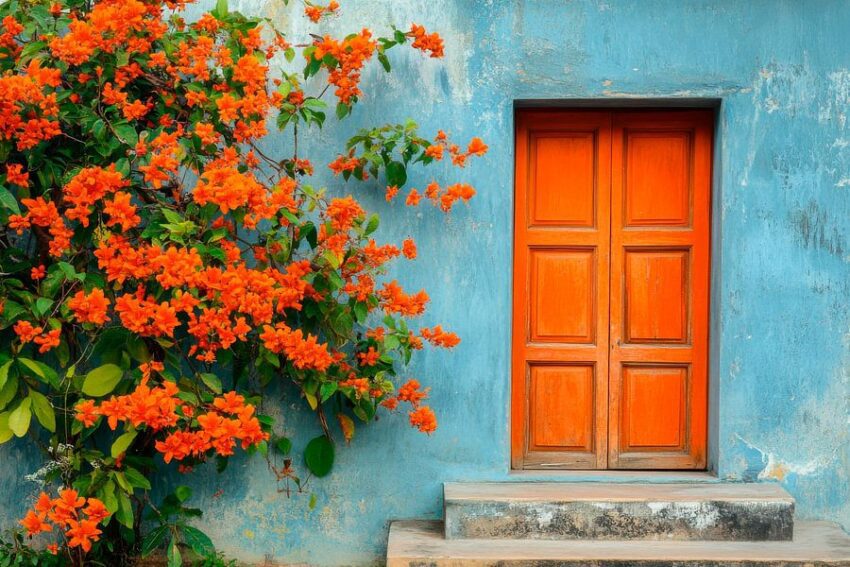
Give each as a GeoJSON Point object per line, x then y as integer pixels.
{"type": "Point", "coordinates": [657, 184]}
{"type": "Point", "coordinates": [562, 295]}
{"type": "Point", "coordinates": [563, 163]}
{"type": "Point", "coordinates": [561, 408]}
{"type": "Point", "coordinates": [654, 407]}
{"type": "Point", "coordinates": [656, 288]}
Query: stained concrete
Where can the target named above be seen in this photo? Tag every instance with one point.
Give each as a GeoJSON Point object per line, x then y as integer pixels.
{"type": "Point", "coordinates": [421, 544]}
{"type": "Point", "coordinates": [727, 511]}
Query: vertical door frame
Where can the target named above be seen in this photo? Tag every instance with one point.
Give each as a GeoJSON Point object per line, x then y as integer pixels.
{"type": "Point", "coordinates": [554, 119]}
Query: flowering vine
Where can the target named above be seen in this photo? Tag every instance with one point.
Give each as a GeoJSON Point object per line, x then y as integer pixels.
{"type": "Point", "coordinates": [160, 271]}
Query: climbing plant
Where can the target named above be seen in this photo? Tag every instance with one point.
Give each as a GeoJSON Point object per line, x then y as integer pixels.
{"type": "Point", "coordinates": [163, 270]}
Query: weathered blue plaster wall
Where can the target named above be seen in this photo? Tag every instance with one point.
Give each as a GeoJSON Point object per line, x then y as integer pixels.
{"type": "Point", "coordinates": [781, 329]}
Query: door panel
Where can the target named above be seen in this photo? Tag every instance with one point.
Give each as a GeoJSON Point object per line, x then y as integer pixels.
{"type": "Point", "coordinates": [556, 391]}
{"type": "Point", "coordinates": [610, 309]}
{"type": "Point", "coordinates": [561, 263]}
{"type": "Point", "coordinates": [660, 200]}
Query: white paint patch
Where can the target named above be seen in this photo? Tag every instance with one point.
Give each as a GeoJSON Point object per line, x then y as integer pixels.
{"type": "Point", "coordinates": [838, 98]}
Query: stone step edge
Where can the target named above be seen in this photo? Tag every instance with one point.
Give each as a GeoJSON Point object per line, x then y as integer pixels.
{"type": "Point", "coordinates": [412, 542]}
{"type": "Point", "coordinates": [525, 491]}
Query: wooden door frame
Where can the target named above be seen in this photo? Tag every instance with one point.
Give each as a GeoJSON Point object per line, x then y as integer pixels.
{"type": "Point", "coordinates": [555, 117]}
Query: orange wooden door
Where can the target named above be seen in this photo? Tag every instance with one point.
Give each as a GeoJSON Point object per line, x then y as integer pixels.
{"type": "Point", "coordinates": [660, 211]}
{"type": "Point", "coordinates": [561, 260]}
{"type": "Point", "coordinates": [611, 275]}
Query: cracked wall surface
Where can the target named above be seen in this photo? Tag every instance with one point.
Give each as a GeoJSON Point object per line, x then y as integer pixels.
{"type": "Point", "coordinates": [780, 350]}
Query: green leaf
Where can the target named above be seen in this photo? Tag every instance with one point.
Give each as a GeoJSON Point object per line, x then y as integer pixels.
{"type": "Point", "coordinates": [283, 445]}
{"type": "Point", "coordinates": [361, 311]}
{"type": "Point", "coordinates": [221, 8]}
{"type": "Point", "coordinates": [19, 419]}
{"type": "Point", "coordinates": [311, 400]}
{"type": "Point", "coordinates": [342, 110]}
{"type": "Point", "coordinates": [43, 305]}
{"type": "Point", "coordinates": [127, 133]}
{"type": "Point", "coordinates": [4, 373]}
{"type": "Point", "coordinates": [41, 370]}
{"type": "Point", "coordinates": [8, 200]}
{"type": "Point", "coordinates": [102, 380]}
{"type": "Point", "coordinates": [122, 443]}
{"type": "Point", "coordinates": [122, 482]}
{"type": "Point", "coordinates": [328, 389]}
{"type": "Point", "coordinates": [198, 541]}
{"type": "Point", "coordinates": [396, 174]}
{"type": "Point", "coordinates": [331, 258]}
{"type": "Point", "coordinates": [153, 540]}
{"type": "Point", "coordinates": [136, 479]}
{"type": "Point", "coordinates": [137, 348]}
{"type": "Point", "coordinates": [183, 493]}
{"type": "Point", "coordinates": [174, 558]}
{"type": "Point", "coordinates": [8, 392]}
{"type": "Point", "coordinates": [43, 409]}
{"type": "Point", "coordinates": [372, 225]}
{"type": "Point", "coordinates": [5, 432]}
{"type": "Point", "coordinates": [212, 382]}
{"type": "Point", "coordinates": [124, 515]}
{"type": "Point", "coordinates": [319, 456]}
{"type": "Point", "coordinates": [385, 62]}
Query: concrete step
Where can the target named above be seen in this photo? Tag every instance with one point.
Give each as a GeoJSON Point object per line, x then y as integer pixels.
{"type": "Point", "coordinates": [546, 510]}
{"type": "Point", "coordinates": [421, 543]}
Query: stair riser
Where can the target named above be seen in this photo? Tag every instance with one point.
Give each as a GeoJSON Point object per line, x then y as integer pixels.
{"type": "Point", "coordinates": [705, 520]}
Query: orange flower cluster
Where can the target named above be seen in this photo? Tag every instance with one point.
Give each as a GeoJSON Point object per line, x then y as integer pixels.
{"type": "Point", "coordinates": [316, 13]}
{"type": "Point", "coordinates": [16, 176]}
{"type": "Point", "coordinates": [230, 420]}
{"type": "Point", "coordinates": [440, 338]}
{"type": "Point", "coordinates": [110, 26]}
{"type": "Point", "coordinates": [218, 302]}
{"type": "Point", "coordinates": [227, 420]}
{"type": "Point", "coordinates": [395, 300]}
{"type": "Point", "coordinates": [28, 333]}
{"type": "Point", "coordinates": [75, 516]}
{"type": "Point", "coordinates": [91, 307]}
{"type": "Point", "coordinates": [28, 109]}
{"type": "Point", "coordinates": [45, 214]}
{"type": "Point", "coordinates": [350, 54]}
{"type": "Point", "coordinates": [303, 352]}
{"type": "Point", "coordinates": [446, 198]}
{"type": "Point", "coordinates": [428, 43]}
{"type": "Point", "coordinates": [11, 28]}
{"type": "Point", "coordinates": [421, 417]}
{"type": "Point", "coordinates": [476, 147]}
{"type": "Point", "coordinates": [424, 419]}
{"type": "Point", "coordinates": [88, 188]}
{"type": "Point", "coordinates": [343, 163]}
{"type": "Point", "coordinates": [409, 248]}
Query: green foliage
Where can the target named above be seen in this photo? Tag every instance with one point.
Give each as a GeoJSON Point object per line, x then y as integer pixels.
{"type": "Point", "coordinates": [15, 553]}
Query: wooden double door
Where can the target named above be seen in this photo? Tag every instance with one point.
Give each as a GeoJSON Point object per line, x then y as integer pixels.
{"type": "Point", "coordinates": [611, 289]}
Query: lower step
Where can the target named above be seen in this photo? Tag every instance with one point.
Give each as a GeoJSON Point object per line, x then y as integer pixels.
{"type": "Point", "coordinates": [421, 544]}
{"type": "Point", "coordinates": [546, 510]}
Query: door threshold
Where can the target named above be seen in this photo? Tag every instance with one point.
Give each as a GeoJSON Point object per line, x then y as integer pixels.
{"type": "Point", "coordinates": [624, 476]}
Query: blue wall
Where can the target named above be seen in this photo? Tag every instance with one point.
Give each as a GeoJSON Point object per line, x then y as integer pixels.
{"type": "Point", "coordinates": [781, 329]}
